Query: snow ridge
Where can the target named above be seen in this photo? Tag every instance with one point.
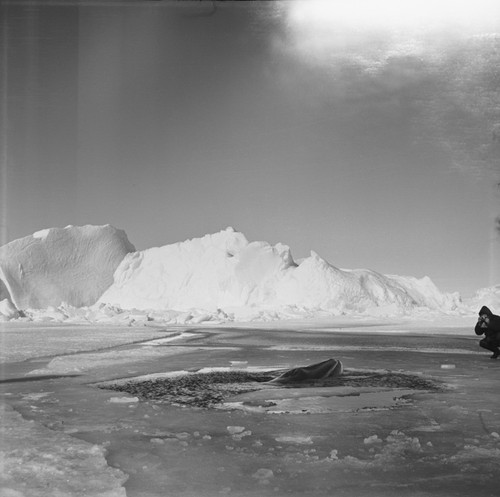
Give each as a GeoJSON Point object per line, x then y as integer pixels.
{"type": "Point", "coordinates": [224, 270]}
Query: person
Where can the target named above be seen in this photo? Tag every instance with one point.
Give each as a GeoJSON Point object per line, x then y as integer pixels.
{"type": "Point", "coordinates": [488, 325]}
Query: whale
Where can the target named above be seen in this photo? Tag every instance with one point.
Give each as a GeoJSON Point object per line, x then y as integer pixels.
{"type": "Point", "coordinates": [317, 371]}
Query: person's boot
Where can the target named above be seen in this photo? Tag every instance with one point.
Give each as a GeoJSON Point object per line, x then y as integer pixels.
{"type": "Point", "coordinates": [489, 346]}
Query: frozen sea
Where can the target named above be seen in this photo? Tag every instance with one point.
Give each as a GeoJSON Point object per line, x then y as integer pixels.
{"type": "Point", "coordinates": [62, 436]}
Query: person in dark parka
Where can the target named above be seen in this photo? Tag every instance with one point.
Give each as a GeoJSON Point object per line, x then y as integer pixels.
{"type": "Point", "coordinates": [489, 325]}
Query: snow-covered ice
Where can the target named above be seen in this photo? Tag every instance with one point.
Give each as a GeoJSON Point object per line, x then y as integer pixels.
{"type": "Point", "coordinates": [22, 341]}
{"type": "Point", "coordinates": [52, 464]}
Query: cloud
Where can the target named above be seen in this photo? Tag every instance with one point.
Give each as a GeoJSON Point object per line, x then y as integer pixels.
{"type": "Point", "coordinates": [440, 73]}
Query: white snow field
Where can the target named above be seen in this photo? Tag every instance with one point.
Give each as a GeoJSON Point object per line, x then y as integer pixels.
{"type": "Point", "coordinates": [93, 274]}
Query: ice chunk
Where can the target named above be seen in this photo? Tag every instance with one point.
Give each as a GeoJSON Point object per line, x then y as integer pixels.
{"type": "Point", "coordinates": [46, 463]}
{"type": "Point", "coordinates": [263, 475]}
{"type": "Point", "coordinates": [235, 429]}
{"type": "Point", "coordinates": [8, 310]}
{"type": "Point", "coordinates": [123, 400]}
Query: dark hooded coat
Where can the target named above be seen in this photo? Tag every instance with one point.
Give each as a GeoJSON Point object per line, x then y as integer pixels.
{"type": "Point", "coordinates": [490, 330]}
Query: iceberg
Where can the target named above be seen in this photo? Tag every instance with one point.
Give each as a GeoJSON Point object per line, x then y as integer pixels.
{"type": "Point", "coordinates": [94, 273]}
{"type": "Point", "coordinates": [72, 265]}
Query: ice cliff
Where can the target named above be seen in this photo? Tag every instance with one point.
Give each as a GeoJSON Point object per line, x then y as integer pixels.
{"type": "Point", "coordinates": [72, 265]}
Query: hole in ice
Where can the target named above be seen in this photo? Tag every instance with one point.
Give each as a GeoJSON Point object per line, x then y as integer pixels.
{"type": "Point", "coordinates": [211, 389]}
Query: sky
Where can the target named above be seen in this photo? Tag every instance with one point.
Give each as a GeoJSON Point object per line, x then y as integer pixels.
{"type": "Point", "coordinates": [362, 130]}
